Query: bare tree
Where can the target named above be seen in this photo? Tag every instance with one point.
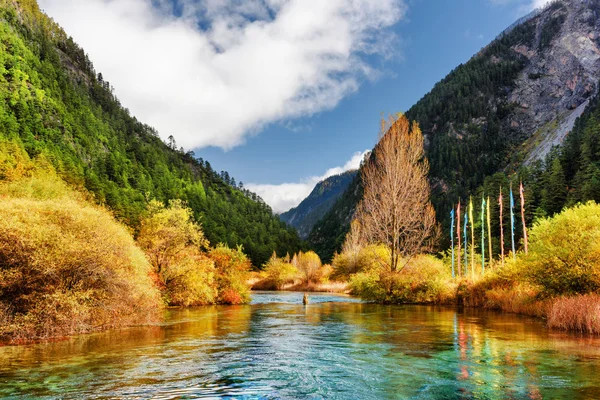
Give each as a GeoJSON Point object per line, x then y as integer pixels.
{"type": "Point", "coordinates": [396, 210]}
{"type": "Point", "coordinates": [353, 244]}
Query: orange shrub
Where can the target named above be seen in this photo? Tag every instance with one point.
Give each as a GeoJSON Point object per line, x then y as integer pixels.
{"type": "Point", "coordinates": [232, 274]}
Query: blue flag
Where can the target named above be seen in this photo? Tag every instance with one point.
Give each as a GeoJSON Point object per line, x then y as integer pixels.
{"type": "Point", "coordinates": [512, 222]}
{"type": "Point", "coordinates": [482, 234]}
{"type": "Point", "coordinates": [452, 237]}
{"type": "Point", "coordinates": [466, 246]}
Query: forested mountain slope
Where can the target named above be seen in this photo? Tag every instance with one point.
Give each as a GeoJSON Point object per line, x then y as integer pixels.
{"type": "Point", "coordinates": [318, 203]}
{"type": "Point", "coordinates": [53, 102]}
{"type": "Point", "coordinates": [506, 107]}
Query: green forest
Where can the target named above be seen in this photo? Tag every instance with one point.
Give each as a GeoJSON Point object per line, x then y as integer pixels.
{"type": "Point", "coordinates": [54, 103]}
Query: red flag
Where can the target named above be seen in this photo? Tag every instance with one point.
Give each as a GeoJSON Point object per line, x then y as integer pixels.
{"type": "Point", "coordinates": [500, 203]}
{"type": "Point", "coordinates": [458, 234]}
{"type": "Point", "coordinates": [523, 216]}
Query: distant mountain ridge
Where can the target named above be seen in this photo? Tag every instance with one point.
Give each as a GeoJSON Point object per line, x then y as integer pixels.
{"type": "Point", "coordinates": [508, 106]}
{"type": "Point", "coordinates": [318, 203]}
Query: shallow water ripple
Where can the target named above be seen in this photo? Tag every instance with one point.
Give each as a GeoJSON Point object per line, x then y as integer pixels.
{"type": "Point", "coordinates": [336, 347]}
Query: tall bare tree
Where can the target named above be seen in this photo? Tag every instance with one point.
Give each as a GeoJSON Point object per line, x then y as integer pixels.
{"type": "Point", "coordinates": [352, 245]}
{"type": "Point", "coordinates": [396, 210]}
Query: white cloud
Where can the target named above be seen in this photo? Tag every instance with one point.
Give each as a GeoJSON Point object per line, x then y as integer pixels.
{"type": "Point", "coordinates": [287, 195]}
{"type": "Point", "coordinates": [524, 5]}
{"type": "Point", "coordinates": [538, 3]}
{"type": "Point", "coordinates": [251, 63]}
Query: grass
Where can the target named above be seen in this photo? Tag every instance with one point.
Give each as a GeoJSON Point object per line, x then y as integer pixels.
{"type": "Point", "coordinates": [299, 286]}
{"type": "Point", "coordinates": [577, 313]}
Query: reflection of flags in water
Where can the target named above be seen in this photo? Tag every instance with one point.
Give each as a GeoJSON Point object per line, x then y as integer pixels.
{"type": "Point", "coordinates": [522, 194]}
{"type": "Point", "coordinates": [452, 237]}
{"type": "Point", "coordinates": [482, 234]}
{"type": "Point", "coordinates": [512, 222]}
{"type": "Point", "coordinates": [458, 235]}
{"type": "Point", "coordinates": [501, 203]}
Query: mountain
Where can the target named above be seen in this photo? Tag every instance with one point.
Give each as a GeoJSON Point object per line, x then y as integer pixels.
{"type": "Point", "coordinates": [57, 107]}
{"type": "Point", "coordinates": [315, 206]}
{"type": "Point", "coordinates": [503, 109]}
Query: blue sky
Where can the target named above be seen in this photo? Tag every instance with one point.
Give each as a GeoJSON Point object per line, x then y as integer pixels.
{"type": "Point", "coordinates": [278, 114]}
{"type": "Point", "coordinates": [435, 37]}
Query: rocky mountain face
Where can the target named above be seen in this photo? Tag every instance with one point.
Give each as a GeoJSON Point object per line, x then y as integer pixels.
{"type": "Point", "coordinates": [318, 203]}
{"type": "Point", "coordinates": [561, 75]}
{"type": "Point", "coordinates": [508, 106]}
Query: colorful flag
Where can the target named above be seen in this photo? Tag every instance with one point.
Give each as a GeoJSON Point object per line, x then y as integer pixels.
{"type": "Point", "coordinates": [489, 226]}
{"type": "Point", "coordinates": [522, 194]}
{"type": "Point", "coordinates": [452, 237]}
{"type": "Point", "coordinates": [482, 234]}
{"type": "Point", "coordinates": [512, 222]}
{"type": "Point", "coordinates": [501, 203]}
{"type": "Point", "coordinates": [458, 236]}
{"type": "Point", "coordinates": [472, 238]}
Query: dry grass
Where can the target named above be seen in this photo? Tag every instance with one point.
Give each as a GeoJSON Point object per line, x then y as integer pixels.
{"type": "Point", "coordinates": [578, 313]}
{"type": "Point", "coordinates": [330, 287]}
{"type": "Point", "coordinates": [299, 286]}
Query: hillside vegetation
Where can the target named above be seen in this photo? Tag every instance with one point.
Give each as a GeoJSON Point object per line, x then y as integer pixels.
{"type": "Point", "coordinates": [67, 266]}
{"type": "Point", "coordinates": [54, 103]}
{"type": "Point", "coordinates": [318, 203]}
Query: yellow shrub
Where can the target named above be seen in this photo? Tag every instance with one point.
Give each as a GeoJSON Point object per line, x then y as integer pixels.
{"type": "Point", "coordinates": [173, 242]}
{"type": "Point", "coordinates": [368, 258]}
{"type": "Point", "coordinates": [308, 264]}
{"type": "Point", "coordinates": [233, 271]}
{"type": "Point", "coordinates": [278, 273]}
{"type": "Point", "coordinates": [424, 279]}
{"type": "Point", "coordinates": [192, 282]}
{"type": "Point", "coordinates": [68, 267]}
{"type": "Point", "coordinates": [564, 252]}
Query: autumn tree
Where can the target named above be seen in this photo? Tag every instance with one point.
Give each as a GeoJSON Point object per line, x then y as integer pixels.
{"type": "Point", "coordinates": [168, 233]}
{"type": "Point", "coordinates": [353, 244]}
{"type": "Point", "coordinates": [232, 274]}
{"type": "Point", "coordinates": [395, 209]}
{"type": "Point", "coordinates": [308, 264]}
{"type": "Point", "coordinates": [173, 243]}
{"type": "Point", "coordinates": [280, 271]}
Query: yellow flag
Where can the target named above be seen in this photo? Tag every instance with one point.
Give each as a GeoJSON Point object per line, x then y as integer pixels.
{"type": "Point", "coordinates": [489, 224]}
{"type": "Point", "coordinates": [472, 238]}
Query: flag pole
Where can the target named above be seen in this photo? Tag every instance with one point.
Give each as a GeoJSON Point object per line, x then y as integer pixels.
{"type": "Point", "coordinates": [500, 202]}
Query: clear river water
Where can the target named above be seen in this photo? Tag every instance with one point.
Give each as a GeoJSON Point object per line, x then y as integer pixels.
{"type": "Point", "coordinates": [335, 347]}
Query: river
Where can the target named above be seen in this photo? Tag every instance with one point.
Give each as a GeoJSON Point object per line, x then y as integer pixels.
{"type": "Point", "coordinates": [336, 347]}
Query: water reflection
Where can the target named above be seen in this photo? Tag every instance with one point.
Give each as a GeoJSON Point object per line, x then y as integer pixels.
{"type": "Point", "coordinates": [336, 347]}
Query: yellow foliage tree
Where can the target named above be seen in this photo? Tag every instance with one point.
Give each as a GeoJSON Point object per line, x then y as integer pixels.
{"type": "Point", "coordinates": [395, 210]}
{"type": "Point", "coordinates": [308, 264]}
{"type": "Point", "coordinates": [233, 272]}
{"type": "Point", "coordinates": [280, 271]}
{"type": "Point", "coordinates": [173, 243]}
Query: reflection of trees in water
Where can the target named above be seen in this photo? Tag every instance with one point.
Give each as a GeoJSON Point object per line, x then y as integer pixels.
{"type": "Point", "coordinates": [381, 350]}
